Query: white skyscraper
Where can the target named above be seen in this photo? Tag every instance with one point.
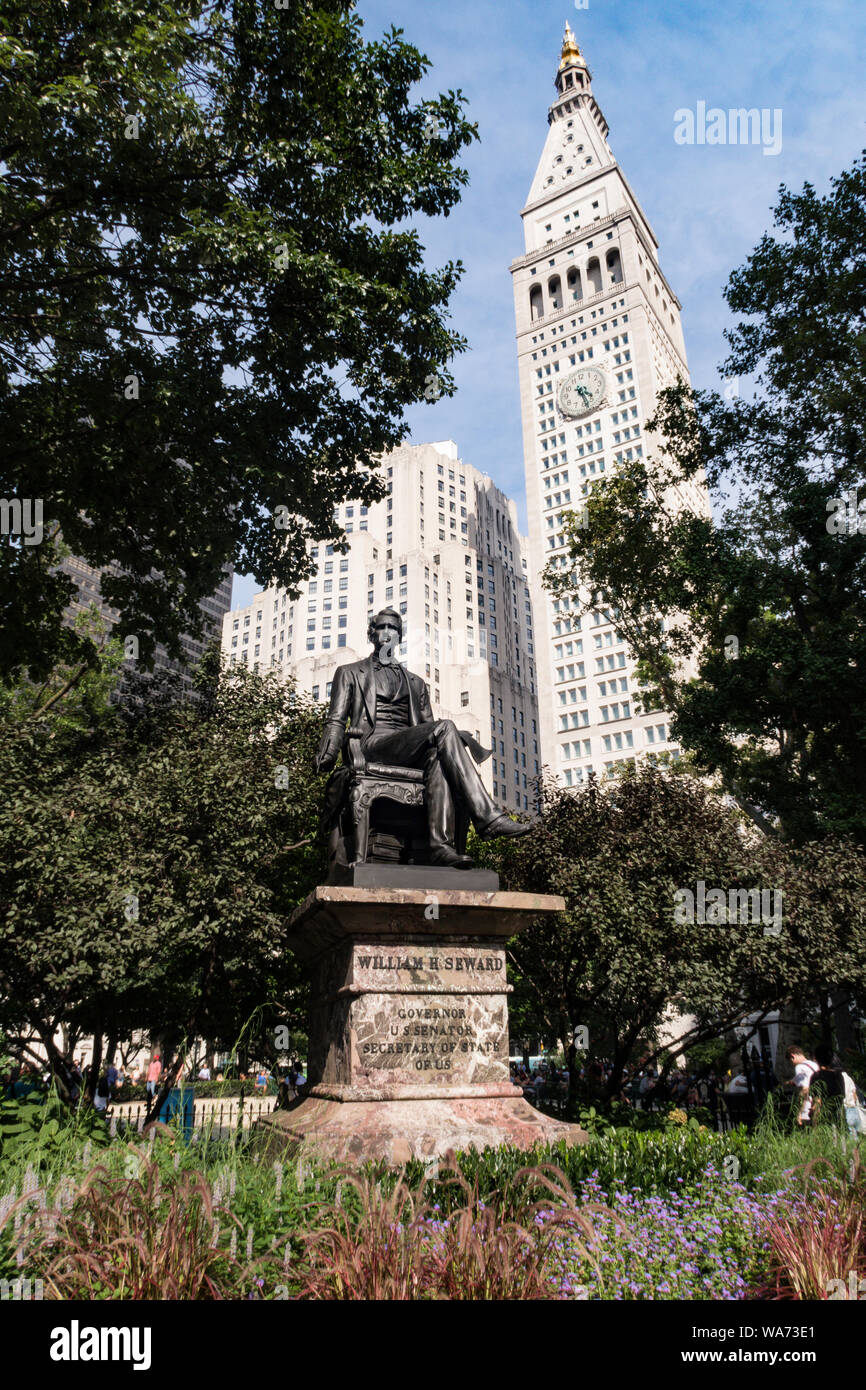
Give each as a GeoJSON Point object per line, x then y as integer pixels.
{"type": "Point", "coordinates": [444, 550]}
{"type": "Point", "coordinates": [598, 335]}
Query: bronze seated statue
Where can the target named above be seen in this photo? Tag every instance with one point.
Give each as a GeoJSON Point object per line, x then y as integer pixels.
{"type": "Point", "coordinates": [408, 786]}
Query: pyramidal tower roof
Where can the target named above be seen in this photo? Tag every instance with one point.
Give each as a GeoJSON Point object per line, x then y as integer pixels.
{"type": "Point", "coordinates": [576, 143]}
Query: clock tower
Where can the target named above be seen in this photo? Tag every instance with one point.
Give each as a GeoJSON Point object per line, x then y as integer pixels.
{"type": "Point", "coordinates": [598, 335]}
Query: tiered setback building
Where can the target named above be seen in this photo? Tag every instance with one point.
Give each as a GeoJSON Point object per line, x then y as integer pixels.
{"type": "Point", "coordinates": [213, 609]}
{"type": "Point", "coordinates": [598, 335]}
{"type": "Point", "coordinates": [444, 550]}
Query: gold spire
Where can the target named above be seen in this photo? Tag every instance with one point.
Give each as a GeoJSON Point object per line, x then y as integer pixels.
{"type": "Point", "coordinates": [570, 51]}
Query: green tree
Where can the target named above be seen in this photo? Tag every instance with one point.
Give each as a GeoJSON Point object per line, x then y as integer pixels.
{"type": "Point", "coordinates": [623, 958]}
{"type": "Point", "coordinates": [76, 694]}
{"type": "Point", "coordinates": [215, 308]}
{"type": "Point", "coordinates": [752, 631]}
{"type": "Point", "coordinates": [150, 864]}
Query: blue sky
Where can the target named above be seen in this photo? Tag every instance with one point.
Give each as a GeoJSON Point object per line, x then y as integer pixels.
{"type": "Point", "coordinates": [708, 204]}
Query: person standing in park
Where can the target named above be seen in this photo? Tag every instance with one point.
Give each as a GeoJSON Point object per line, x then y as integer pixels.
{"type": "Point", "coordinates": [154, 1072]}
{"type": "Point", "coordinates": [826, 1089]}
{"type": "Point", "coordinates": [101, 1094]}
{"type": "Point", "coordinates": [804, 1070]}
{"type": "Point", "coordinates": [76, 1081]}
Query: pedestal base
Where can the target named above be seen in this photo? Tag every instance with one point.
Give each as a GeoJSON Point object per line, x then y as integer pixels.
{"type": "Point", "coordinates": [398, 1130]}
{"type": "Point", "coordinates": [408, 1031]}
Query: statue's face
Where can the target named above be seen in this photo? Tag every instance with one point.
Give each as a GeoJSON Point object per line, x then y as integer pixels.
{"type": "Point", "coordinates": [386, 638]}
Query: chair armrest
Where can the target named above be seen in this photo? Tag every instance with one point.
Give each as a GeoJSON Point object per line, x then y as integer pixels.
{"type": "Point", "coordinates": [352, 747]}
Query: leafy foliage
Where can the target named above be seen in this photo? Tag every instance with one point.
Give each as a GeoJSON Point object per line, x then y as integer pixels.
{"type": "Point", "coordinates": [215, 305]}
{"type": "Point", "coordinates": [38, 1129]}
{"type": "Point", "coordinates": [617, 960]}
{"type": "Point", "coordinates": [149, 865]}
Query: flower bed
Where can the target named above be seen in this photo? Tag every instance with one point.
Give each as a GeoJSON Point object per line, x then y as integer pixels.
{"type": "Point", "coordinates": [653, 1216]}
{"type": "Point", "coordinates": [707, 1242]}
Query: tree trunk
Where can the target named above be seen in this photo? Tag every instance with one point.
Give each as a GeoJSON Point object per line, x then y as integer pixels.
{"type": "Point", "coordinates": [169, 1079]}
{"type": "Point", "coordinates": [790, 1029]}
{"type": "Point", "coordinates": [95, 1066]}
{"type": "Point", "coordinates": [826, 1020]}
{"type": "Point", "coordinates": [56, 1060]}
{"type": "Point", "coordinates": [846, 1034]}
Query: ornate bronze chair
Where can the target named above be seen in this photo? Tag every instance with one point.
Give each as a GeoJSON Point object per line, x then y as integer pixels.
{"type": "Point", "coordinates": [374, 798]}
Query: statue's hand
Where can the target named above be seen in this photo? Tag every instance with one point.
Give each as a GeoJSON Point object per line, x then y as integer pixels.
{"type": "Point", "coordinates": [324, 763]}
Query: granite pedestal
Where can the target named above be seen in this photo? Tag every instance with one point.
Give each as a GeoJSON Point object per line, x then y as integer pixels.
{"type": "Point", "coordinates": [409, 1025]}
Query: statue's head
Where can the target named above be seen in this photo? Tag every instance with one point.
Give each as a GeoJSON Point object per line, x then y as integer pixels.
{"type": "Point", "coordinates": [385, 631]}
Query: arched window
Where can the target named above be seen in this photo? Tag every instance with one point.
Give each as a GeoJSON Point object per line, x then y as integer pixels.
{"type": "Point", "coordinates": [536, 303]}
{"type": "Point", "coordinates": [554, 292]}
{"type": "Point", "coordinates": [593, 275]}
{"type": "Point", "coordinates": [573, 282]}
{"type": "Point", "coordinates": [614, 266]}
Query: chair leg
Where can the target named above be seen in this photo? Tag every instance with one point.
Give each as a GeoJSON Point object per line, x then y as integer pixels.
{"type": "Point", "coordinates": [361, 820]}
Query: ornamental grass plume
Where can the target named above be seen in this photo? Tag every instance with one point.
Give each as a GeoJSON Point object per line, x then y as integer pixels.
{"type": "Point", "coordinates": [135, 1238]}
{"type": "Point", "coordinates": [818, 1251]}
{"type": "Point", "coordinates": [396, 1246]}
{"type": "Point", "coordinates": [379, 1255]}
{"type": "Point", "coordinates": [485, 1257]}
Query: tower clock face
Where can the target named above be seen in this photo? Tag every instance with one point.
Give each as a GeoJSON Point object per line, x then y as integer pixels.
{"type": "Point", "coordinates": [581, 392]}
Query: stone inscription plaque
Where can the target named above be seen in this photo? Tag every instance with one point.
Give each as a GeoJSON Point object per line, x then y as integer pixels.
{"type": "Point", "coordinates": [429, 1014]}
{"type": "Point", "coordinates": [433, 968]}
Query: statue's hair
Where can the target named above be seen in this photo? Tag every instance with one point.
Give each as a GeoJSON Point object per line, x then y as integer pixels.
{"type": "Point", "coordinates": [391, 613]}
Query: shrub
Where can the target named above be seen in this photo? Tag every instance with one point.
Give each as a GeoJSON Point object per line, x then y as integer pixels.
{"type": "Point", "coordinates": [202, 1090]}
{"type": "Point", "coordinates": [653, 1161]}
{"type": "Point", "coordinates": [38, 1129]}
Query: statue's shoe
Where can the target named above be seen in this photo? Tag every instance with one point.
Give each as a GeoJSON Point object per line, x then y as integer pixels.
{"type": "Point", "coordinates": [447, 858]}
{"type": "Point", "coordinates": [502, 825]}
